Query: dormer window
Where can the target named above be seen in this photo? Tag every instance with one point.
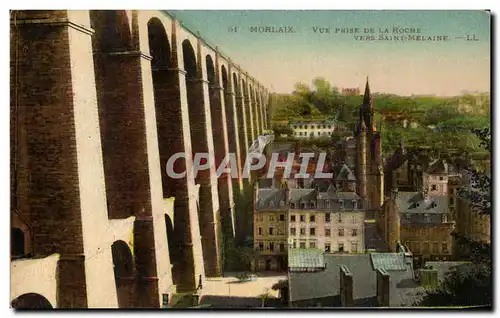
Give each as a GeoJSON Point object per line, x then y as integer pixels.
{"type": "Point", "coordinates": [313, 204]}
{"type": "Point", "coordinates": [292, 205]}
{"type": "Point", "coordinates": [271, 204]}
{"type": "Point", "coordinates": [328, 204]}
{"type": "Point", "coordinates": [282, 203]}
{"type": "Point", "coordinates": [302, 205]}
{"type": "Point", "coordinates": [341, 203]}
{"type": "Point", "coordinates": [354, 204]}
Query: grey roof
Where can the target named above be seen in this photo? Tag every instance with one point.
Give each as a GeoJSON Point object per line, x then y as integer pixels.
{"type": "Point", "coordinates": [388, 261]}
{"type": "Point", "coordinates": [322, 185]}
{"type": "Point", "coordinates": [344, 173]}
{"type": "Point", "coordinates": [439, 166]}
{"type": "Point", "coordinates": [302, 194]}
{"type": "Point", "coordinates": [322, 284]}
{"type": "Point", "coordinates": [265, 196]}
{"type": "Point", "coordinates": [305, 258]}
{"type": "Point", "coordinates": [414, 202]}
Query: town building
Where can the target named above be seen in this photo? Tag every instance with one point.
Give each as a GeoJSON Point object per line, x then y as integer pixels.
{"type": "Point", "coordinates": [270, 229]}
{"type": "Point", "coordinates": [422, 222]}
{"type": "Point", "coordinates": [313, 129]}
{"type": "Point", "coordinates": [345, 280]}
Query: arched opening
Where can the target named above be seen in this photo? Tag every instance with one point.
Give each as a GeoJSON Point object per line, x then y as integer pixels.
{"type": "Point", "coordinates": [123, 264]}
{"type": "Point", "coordinates": [248, 113]}
{"type": "Point", "coordinates": [31, 301]}
{"type": "Point", "coordinates": [201, 133]}
{"type": "Point", "coordinates": [173, 250]}
{"type": "Point", "coordinates": [221, 149]}
{"type": "Point", "coordinates": [240, 114]}
{"type": "Point", "coordinates": [121, 115]}
{"type": "Point", "coordinates": [172, 139]}
{"type": "Point", "coordinates": [17, 243]}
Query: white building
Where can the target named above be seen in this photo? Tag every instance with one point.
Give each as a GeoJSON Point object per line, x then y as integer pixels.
{"type": "Point", "coordinates": [313, 129]}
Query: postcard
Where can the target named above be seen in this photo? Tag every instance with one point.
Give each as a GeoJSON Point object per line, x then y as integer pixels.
{"type": "Point", "coordinates": [239, 159]}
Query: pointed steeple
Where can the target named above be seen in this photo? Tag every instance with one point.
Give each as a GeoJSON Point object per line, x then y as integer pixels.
{"type": "Point", "coordinates": [367, 97]}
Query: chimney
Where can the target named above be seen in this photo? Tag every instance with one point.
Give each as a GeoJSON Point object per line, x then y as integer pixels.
{"type": "Point", "coordinates": [383, 288]}
{"type": "Point", "coordinates": [346, 287]}
{"type": "Point", "coordinates": [428, 277]}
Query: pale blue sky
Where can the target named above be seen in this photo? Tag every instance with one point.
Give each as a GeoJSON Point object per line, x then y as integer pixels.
{"type": "Point", "coordinates": [280, 60]}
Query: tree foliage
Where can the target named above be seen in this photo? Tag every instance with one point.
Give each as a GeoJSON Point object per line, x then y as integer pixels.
{"type": "Point", "coordinates": [473, 284]}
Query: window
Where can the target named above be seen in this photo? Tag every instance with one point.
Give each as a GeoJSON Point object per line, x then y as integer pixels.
{"type": "Point", "coordinates": [341, 232]}
{"type": "Point", "coordinates": [444, 247]}
{"type": "Point", "coordinates": [327, 247]}
{"type": "Point", "coordinates": [340, 217]}
{"type": "Point", "coordinates": [282, 203]}
{"type": "Point", "coordinates": [435, 248]}
{"type": "Point", "coordinates": [312, 204]}
{"type": "Point", "coordinates": [302, 218]}
{"type": "Point", "coordinates": [341, 203]}
{"type": "Point", "coordinates": [260, 217]}
{"type": "Point", "coordinates": [271, 230]}
{"type": "Point", "coordinates": [271, 204]}
{"type": "Point", "coordinates": [354, 204]}
{"type": "Point", "coordinates": [271, 246]}
{"type": "Point", "coordinates": [354, 232]}
{"type": "Point", "coordinates": [312, 218]}
{"type": "Point", "coordinates": [292, 231]}
{"type": "Point", "coordinates": [407, 216]}
{"type": "Point", "coordinates": [354, 247]}
{"type": "Point", "coordinates": [302, 231]}
{"type": "Point", "coordinates": [292, 218]}
{"type": "Point", "coordinates": [328, 232]}
{"type": "Point", "coordinates": [451, 201]}
{"type": "Point", "coordinates": [260, 230]}
{"type": "Point", "coordinates": [426, 217]}
{"type": "Point", "coordinates": [328, 204]}
{"type": "Point", "coordinates": [261, 246]}
{"type": "Point", "coordinates": [312, 244]}
{"type": "Point", "coordinates": [294, 244]}
{"type": "Point", "coordinates": [312, 231]}
{"type": "Point", "coordinates": [341, 247]}
{"type": "Point", "coordinates": [327, 217]}
{"type": "Point", "coordinates": [302, 205]}
{"type": "Point", "coordinates": [271, 218]}
{"type": "Point", "coordinates": [444, 218]}
{"type": "Point", "coordinates": [426, 247]}
{"type": "Point", "coordinates": [302, 245]}
{"type": "Point", "coordinates": [292, 205]}
{"type": "Point", "coordinates": [433, 187]}
{"type": "Point", "coordinates": [441, 178]}
{"type": "Point", "coordinates": [282, 217]}
{"type": "Point", "coordinates": [282, 247]}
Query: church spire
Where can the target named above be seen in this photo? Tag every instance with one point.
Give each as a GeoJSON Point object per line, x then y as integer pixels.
{"type": "Point", "coordinates": [367, 98]}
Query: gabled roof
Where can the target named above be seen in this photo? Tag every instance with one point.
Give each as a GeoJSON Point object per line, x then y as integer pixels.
{"type": "Point", "coordinates": [326, 283]}
{"type": "Point", "coordinates": [264, 196]}
{"type": "Point", "coordinates": [414, 202]}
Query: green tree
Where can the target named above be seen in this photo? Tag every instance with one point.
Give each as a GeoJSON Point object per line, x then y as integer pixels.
{"type": "Point", "coordinates": [472, 285]}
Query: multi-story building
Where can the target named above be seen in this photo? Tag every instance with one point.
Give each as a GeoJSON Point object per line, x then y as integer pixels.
{"type": "Point", "coordinates": [420, 221]}
{"type": "Point", "coordinates": [270, 229]}
{"type": "Point", "coordinates": [313, 129]}
{"type": "Point", "coordinates": [332, 221]}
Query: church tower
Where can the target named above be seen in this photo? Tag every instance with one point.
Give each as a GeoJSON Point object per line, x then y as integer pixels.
{"type": "Point", "coordinates": [368, 161]}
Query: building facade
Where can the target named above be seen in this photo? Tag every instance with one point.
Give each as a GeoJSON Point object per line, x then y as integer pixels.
{"type": "Point", "coordinates": [313, 129]}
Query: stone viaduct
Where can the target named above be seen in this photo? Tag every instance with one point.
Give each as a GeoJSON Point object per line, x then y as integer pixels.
{"type": "Point", "coordinates": [99, 101]}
